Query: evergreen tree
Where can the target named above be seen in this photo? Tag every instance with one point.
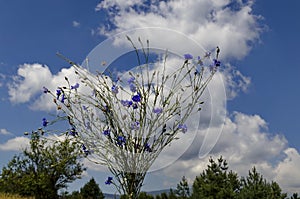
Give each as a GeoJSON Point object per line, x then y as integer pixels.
{"type": "Point", "coordinates": [162, 196]}
{"type": "Point", "coordinates": [172, 194]}
{"type": "Point", "coordinates": [91, 190]}
{"type": "Point", "coordinates": [183, 190]}
{"type": "Point", "coordinates": [216, 182]}
{"type": "Point", "coordinates": [42, 169]}
{"type": "Point", "coordinates": [254, 186]}
{"type": "Point", "coordinates": [144, 195]}
{"type": "Point", "coordinates": [295, 196]}
{"type": "Point", "coordinates": [73, 195]}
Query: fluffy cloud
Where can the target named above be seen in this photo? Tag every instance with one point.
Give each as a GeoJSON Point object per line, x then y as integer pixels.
{"type": "Point", "coordinates": [15, 144]}
{"type": "Point", "coordinates": [245, 142]}
{"type": "Point", "coordinates": [5, 132]}
{"type": "Point", "coordinates": [27, 85]}
{"type": "Point", "coordinates": [30, 80]}
{"type": "Point", "coordinates": [287, 171]}
{"type": "Point", "coordinates": [2, 78]}
{"type": "Point", "coordinates": [189, 26]}
{"type": "Point", "coordinates": [75, 24]}
{"type": "Point", "coordinates": [229, 24]}
{"type": "Point", "coordinates": [236, 82]}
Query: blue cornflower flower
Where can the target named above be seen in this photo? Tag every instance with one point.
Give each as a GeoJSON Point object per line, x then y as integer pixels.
{"type": "Point", "coordinates": [217, 63]}
{"type": "Point", "coordinates": [88, 125]}
{"type": "Point", "coordinates": [106, 132]}
{"type": "Point", "coordinates": [136, 98]}
{"type": "Point", "coordinates": [157, 110]}
{"type": "Point", "coordinates": [45, 122]}
{"type": "Point", "coordinates": [85, 150]}
{"type": "Point", "coordinates": [207, 54]}
{"type": "Point", "coordinates": [127, 103]}
{"type": "Point", "coordinates": [45, 90]}
{"type": "Point", "coordinates": [75, 86]}
{"type": "Point", "coordinates": [182, 127]}
{"type": "Point", "coordinates": [58, 93]}
{"type": "Point", "coordinates": [84, 108]}
{"type": "Point", "coordinates": [135, 106]}
{"type": "Point", "coordinates": [115, 89]}
{"type": "Point", "coordinates": [135, 126]}
{"type": "Point", "coordinates": [73, 132]}
{"type": "Point", "coordinates": [147, 147]}
{"type": "Point", "coordinates": [132, 87]}
{"type": "Point", "coordinates": [106, 108]}
{"type": "Point", "coordinates": [109, 180]}
{"type": "Point", "coordinates": [63, 98]}
{"type": "Point", "coordinates": [200, 62]}
{"type": "Point", "coordinates": [188, 56]}
{"type": "Point", "coordinates": [121, 140]}
{"type": "Point", "coordinates": [131, 80]}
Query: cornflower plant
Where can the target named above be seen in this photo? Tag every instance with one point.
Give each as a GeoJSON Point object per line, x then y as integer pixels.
{"type": "Point", "coordinates": [126, 123]}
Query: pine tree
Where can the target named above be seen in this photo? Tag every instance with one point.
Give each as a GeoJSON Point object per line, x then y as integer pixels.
{"type": "Point", "coordinates": [254, 186]}
{"type": "Point", "coordinates": [91, 190]}
{"type": "Point", "coordinates": [172, 194]}
{"type": "Point", "coordinates": [144, 195]}
{"type": "Point", "coordinates": [183, 190]}
{"type": "Point", "coordinates": [162, 196]}
{"type": "Point", "coordinates": [216, 182]}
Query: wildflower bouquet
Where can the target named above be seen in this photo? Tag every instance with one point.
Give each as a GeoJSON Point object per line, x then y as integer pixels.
{"type": "Point", "coordinates": [125, 122]}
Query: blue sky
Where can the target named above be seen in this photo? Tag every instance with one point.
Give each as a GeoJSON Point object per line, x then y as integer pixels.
{"type": "Point", "coordinates": [263, 77]}
{"type": "Point", "coordinates": [274, 68]}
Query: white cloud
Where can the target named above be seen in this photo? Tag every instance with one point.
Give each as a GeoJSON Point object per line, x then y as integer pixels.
{"type": "Point", "coordinates": [287, 171]}
{"type": "Point", "coordinates": [120, 3]}
{"type": "Point", "coordinates": [75, 24]}
{"type": "Point", "coordinates": [236, 82]}
{"type": "Point", "coordinates": [30, 80]}
{"type": "Point", "coordinates": [15, 144]}
{"type": "Point", "coordinates": [5, 132]}
{"type": "Point", "coordinates": [245, 142]}
{"type": "Point", "coordinates": [187, 26]}
{"type": "Point", "coordinates": [2, 78]}
{"type": "Point", "coordinates": [28, 85]}
{"type": "Point", "coordinates": [210, 23]}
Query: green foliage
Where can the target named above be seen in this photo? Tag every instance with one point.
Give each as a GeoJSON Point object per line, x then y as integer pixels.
{"type": "Point", "coordinates": [73, 195]}
{"type": "Point", "coordinates": [142, 195]}
{"type": "Point", "coordinates": [183, 190]}
{"type": "Point", "coordinates": [172, 194]}
{"type": "Point", "coordinates": [42, 169]}
{"type": "Point", "coordinates": [255, 186]}
{"type": "Point", "coordinates": [91, 190]}
{"type": "Point", "coordinates": [12, 196]}
{"type": "Point", "coordinates": [162, 196]}
{"type": "Point", "coordinates": [295, 196]}
{"type": "Point", "coordinates": [216, 182]}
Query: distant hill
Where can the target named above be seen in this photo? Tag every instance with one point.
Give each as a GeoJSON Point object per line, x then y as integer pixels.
{"type": "Point", "coordinates": [111, 196]}
{"type": "Point", "coordinates": [153, 193]}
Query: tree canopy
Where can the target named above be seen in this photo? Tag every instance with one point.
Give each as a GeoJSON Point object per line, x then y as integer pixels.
{"type": "Point", "coordinates": [91, 190]}
{"type": "Point", "coordinates": [43, 168]}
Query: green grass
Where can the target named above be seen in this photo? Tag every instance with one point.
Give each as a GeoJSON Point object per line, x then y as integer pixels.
{"type": "Point", "coordinates": [13, 196]}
